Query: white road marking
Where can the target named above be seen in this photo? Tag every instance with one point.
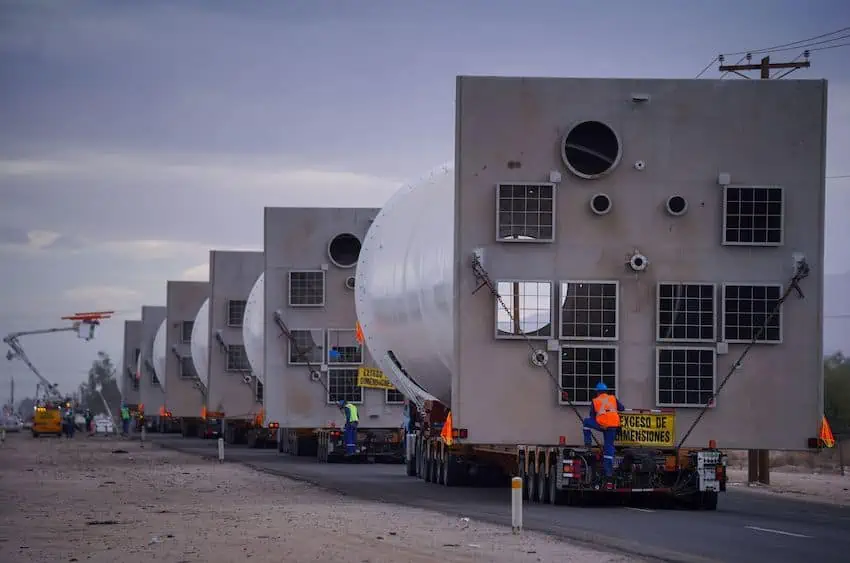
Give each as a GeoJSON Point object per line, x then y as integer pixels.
{"type": "Point", "coordinates": [638, 509]}
{"type": "Point", "coordinates": [780, 532]}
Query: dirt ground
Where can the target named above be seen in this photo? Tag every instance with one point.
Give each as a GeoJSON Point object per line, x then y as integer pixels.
{"type": "Point", "coordinates": [81, 501]}
{"type": "Point", "coordinates": [829, 488]}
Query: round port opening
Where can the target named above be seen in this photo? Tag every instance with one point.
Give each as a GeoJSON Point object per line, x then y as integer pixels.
{"type": "Point", "coordinates": [344, 250]}
{"type": "Point", "coordinates": [349, 282]}
{"type": "Point", "coordinates": [591, 149]}
{"type": "Point", "coordinates": [600, 204]}
{"type": "Point", "coordinates": [677, 205]}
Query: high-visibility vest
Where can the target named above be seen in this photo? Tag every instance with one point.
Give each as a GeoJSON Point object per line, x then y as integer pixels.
{"type": "Point", "coordinates": [352, 412]}
{"type": "Point", "coordinates": [605, 406]}
{"type": "Point", "coordinates": [125, 413]}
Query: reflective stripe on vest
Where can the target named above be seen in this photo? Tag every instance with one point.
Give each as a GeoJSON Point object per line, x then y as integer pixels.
{"type": "Point", "coordinates": [352, 413]}
{"type": "Point", "coordinates": [605, 406]}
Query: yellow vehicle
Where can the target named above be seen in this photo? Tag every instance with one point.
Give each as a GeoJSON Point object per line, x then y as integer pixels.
{"type": "Point", "coordinates": [47, 419]}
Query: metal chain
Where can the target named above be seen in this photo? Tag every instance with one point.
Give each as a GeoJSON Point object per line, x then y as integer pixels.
{"type": "Point", "coordinates": [801, 273]}
{"type": "Point", "coordinates": [483, 279]}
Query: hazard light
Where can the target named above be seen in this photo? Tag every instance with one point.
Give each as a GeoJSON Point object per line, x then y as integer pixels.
{"type": "Point", "coordinates": [461, 433]}
{"type": "Point", "coordinates": [712, 444]}
{"type": "Point", "coordinates": [274, 425]}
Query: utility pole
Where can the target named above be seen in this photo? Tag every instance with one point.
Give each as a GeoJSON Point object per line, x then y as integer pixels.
{"type": "Point", "coordinates": [12, 393]}
{"type": "Point", "coordinates": [765, 66]}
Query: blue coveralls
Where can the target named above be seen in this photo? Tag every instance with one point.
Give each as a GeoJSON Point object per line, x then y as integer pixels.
{"type": "Point", "coordinates": [350, 431]}
{"type": "Point", "coordinates": [608, 437]}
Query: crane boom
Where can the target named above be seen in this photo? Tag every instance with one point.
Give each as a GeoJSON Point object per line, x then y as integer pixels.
{"type": "Point", "coordinates": [83, 324]}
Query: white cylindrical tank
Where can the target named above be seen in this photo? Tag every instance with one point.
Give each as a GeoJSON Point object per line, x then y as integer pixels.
{"type": "Point", "coordinates": [253, 327]}
{"type": "Point", "coordinates": [201, 343]}
{"type": "Point", "coordinates": [405, 285]}
{"type": "Point", "coordinates": [159, 349]}
{"type": "Point", "coordinates": [139, 368]}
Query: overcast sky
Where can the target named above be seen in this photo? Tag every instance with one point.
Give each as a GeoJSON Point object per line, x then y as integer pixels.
{"type": "Point", "coordinates": [135, 136]}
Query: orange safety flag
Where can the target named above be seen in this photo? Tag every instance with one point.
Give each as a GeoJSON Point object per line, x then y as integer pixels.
{"type": "Point", "coordinates": [358, 333]}
{"type": "Point", "coordinates": [446, 432]}
{"type": "Point", "coordinates": [203, 413]}
{"type": "Point", "coordinates": [826, 437]}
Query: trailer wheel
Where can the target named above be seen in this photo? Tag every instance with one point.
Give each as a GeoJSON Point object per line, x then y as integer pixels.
{"type": "Point", "coordinates": [555, 496]}
{"type": "Point", "coordinates": [542, 485]}
{"type": "Point", "coordinates": [531, 479]}
{"type": "Point", "coordinates": [452, 476]}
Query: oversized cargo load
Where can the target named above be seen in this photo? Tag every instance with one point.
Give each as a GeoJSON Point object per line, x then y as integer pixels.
{"type": "Point", "coordinates": [254, 326]}
{"type": "Point", "coordinates": [201, 343]}
{"type": "Point", "coordinates": [159, 351]}
{"type": "Point", "coordinates": [607, 230]}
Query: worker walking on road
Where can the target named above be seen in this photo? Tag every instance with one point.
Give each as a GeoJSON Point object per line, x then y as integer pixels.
{"type": "Point", "coordinates": [604, 416]}
{"type": "Point", "coordinates": [125, 420]}
{"type": "Point", "coordinates": [350, 431]}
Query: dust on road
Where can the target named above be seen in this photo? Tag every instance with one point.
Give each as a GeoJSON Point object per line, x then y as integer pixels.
{"type": "Point", "coordinates": [104, 500]}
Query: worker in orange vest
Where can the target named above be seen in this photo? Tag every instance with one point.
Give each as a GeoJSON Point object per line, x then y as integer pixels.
{"type": "Point", "coordinates": [604, 417]}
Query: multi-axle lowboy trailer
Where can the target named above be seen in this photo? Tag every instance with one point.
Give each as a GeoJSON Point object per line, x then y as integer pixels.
{"type": "Point", "coordinates": [566, 474]}
{"type": "Point", "coordinates": [374, 445]}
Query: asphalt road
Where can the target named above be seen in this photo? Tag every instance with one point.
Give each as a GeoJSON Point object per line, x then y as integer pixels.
{"type": "Point", "coordinates": [747, 527]}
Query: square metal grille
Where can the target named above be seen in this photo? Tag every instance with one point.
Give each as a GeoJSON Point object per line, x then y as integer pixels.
{"type": "Point", "coordinates": [343, 347]}
{"type": "Point", "coordinates": [530, 305]}
{"type": "Point", "coordinates": [235, 312]}
{"type": "Point", "coordinates": [753, 215]}
{"type": "Point", "coordinates": [394, 397]}
{"type": "Point", "coordinates": [589, 310]}
{"type": "Point", "coordinates": [525, 212]}
{"type": "Point", "coordinates": [307, 288]}
{"type": "Point", "coordinates": [746, 308]}
{"type": "Point", "coordinates": [686, 312]}
{"type": "Point", "coordinates": [685, 376]}
{"type": "Point", "coordinates": [342, 386]}
{"type": "Point", "coordinates": [237, 359]}
{"type": "Point", "coordinates": [186, 331]}
{"type": "Point", "coordinates": [309, 347]}
{"type": "Point", "coordinates": [582, 367]}
{"type": "Point", "coordinates": [187, 368]}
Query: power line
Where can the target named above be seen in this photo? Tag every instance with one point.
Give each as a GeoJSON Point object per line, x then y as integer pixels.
{"type": "Point", "coordinates": [794, 44]}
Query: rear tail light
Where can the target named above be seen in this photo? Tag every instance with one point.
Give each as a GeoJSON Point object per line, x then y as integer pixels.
{"type": "Point", "coordinates": [274, 425]}
{"type": "Point", "coordinates": [718, 472]}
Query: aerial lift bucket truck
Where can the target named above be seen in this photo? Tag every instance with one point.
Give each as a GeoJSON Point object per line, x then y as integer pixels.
{"type": "Point", "coordinates": [47, 416]}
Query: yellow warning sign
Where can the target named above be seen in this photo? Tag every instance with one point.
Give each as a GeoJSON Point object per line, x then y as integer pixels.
{"type": "Point", "coordinates": [373, 378]}
{"type": "Point", "coordinates": [653, 430]}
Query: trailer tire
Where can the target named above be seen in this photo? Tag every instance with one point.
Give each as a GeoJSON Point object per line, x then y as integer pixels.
{"type": "Point", "coordinates": [542, 485]}
{"type": "Point", "coordinates": [531, 480]}
{"type": "Point", "coordinates": [411, 466]}
{"type": "Point", "coordinates": [556, 497]}
{"type": "Point", "coordinates": [707, 500]}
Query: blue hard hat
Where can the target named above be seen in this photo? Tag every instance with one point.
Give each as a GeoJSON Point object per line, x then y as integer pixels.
{"type": "Point", "coordinates": [601, 386]}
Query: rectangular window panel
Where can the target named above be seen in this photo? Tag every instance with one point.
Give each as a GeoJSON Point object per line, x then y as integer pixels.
{"type": "Point", "coordinates": [307, 288]}
{"type": "Point", "coordinates": [258, 391]}
{"type": "Point", "coordinates": [343, 347]}
{"type": "Point", "coordinates": [686, 312]}
{"type": "Point", "coordinates": [525, 309]}
{"type": "Point", "coordinates": [748, 308]}
{"type": "Point", "coordinates": [237, 359]}
{"type": "Point", "coordinates": [394, 397]}
{"type": "Point", "coordinates": [685, 376]}
{"type": "Point", "coordinates": [342, 386]}
{"type": "Point", "coordinates": [582, 367]}
{"type": "Point", "coordinates": [525, 212]}
{"type": "Point", "coordinates": [309, 347]}
{"type": "Point", "coordinates": [186, 331]}
{"type": "Point", "coordinates": [187, 368]}
{"type": "Point", "coordinates": [235, 312]}
{"type": "Point", "coordinates": [753, 215]}
{"type": "Point", "coordinates": [589, 310]}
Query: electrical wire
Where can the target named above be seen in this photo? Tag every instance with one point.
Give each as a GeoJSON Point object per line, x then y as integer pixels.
{"type": "Point", "coordinates": [708, 66]}
{"type": "Point", "coordinates": [793, 45]}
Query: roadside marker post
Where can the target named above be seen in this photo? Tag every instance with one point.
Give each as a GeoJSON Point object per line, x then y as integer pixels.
{"type": "Point", "coordinates": [142, 436]}
{"type": "Point", "coordinates": [220, 450]}
{"type": "Point", "coordinates": [516, 504]}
